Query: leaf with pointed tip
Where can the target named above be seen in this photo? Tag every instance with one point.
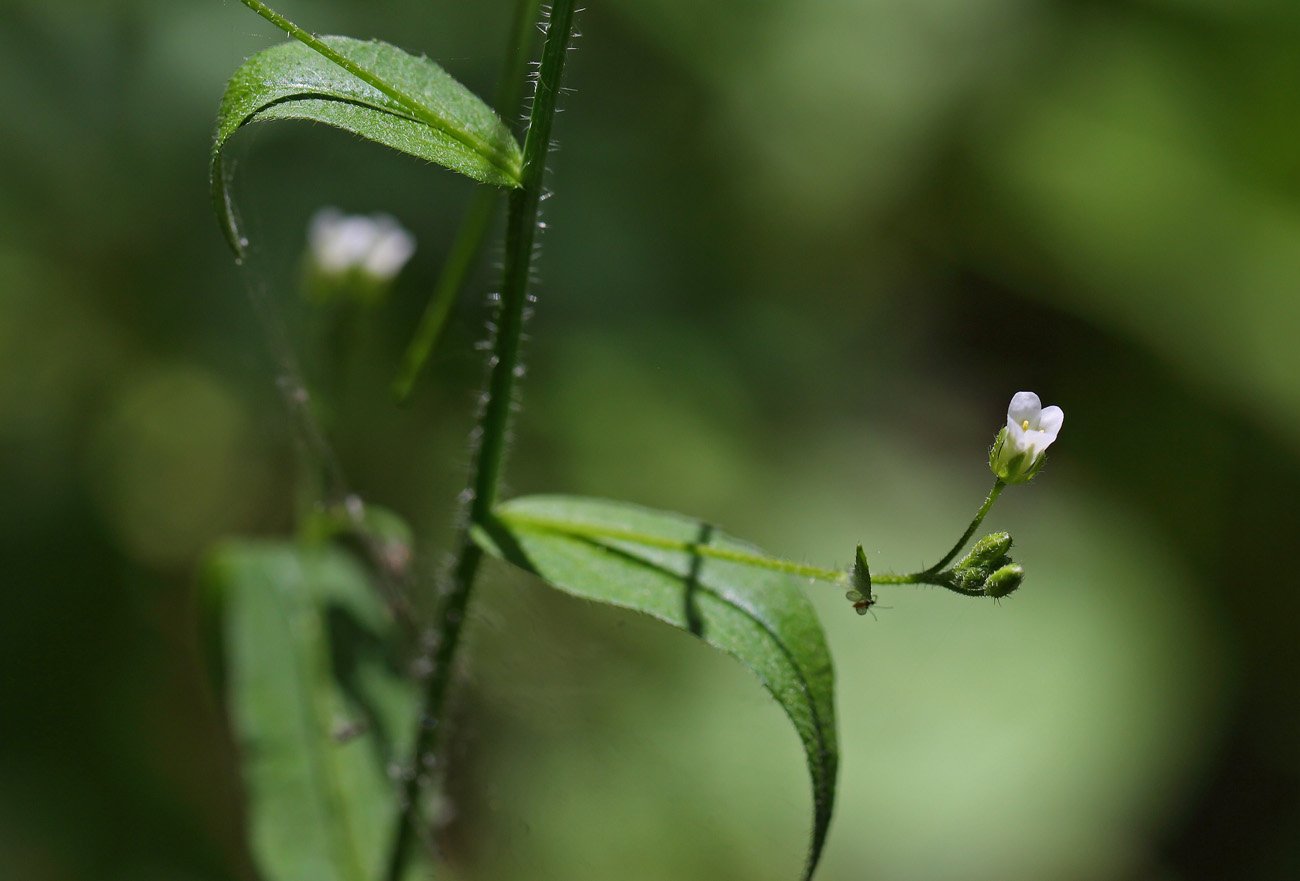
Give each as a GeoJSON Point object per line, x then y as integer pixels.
{"type": "Point", "coordinates": [424, 111]}
{"type": "Point", "coordinates": [590, 548]}
{"type": "Point", "coordinates": [318, 704]}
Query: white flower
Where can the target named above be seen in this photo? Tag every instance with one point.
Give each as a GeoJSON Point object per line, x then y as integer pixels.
{"type": "Point", "coordinates": [1019, 450]}
{"type": "Point", "coordinates": [376, 246]}
{"type": "Point", "coordinates": [1031, 427]}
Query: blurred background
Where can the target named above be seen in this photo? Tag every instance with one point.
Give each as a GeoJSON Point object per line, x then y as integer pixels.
{"type": "Point", "coordinates": [799, 257]}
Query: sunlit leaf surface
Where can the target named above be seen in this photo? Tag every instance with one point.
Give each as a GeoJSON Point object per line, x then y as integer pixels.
{"type": "Point", "coordinates": [761, 618]}
{"type": "Point", "coordinates": [438, 120]}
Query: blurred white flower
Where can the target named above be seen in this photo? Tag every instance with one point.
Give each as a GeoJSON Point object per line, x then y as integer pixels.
{"type": "Point", "coordinates": [1020, 448]}
{"type": "Point", "coordinates": [376, 246]}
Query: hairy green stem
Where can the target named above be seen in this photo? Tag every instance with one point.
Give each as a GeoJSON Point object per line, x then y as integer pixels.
{"type": "Point", "coordinates": [493, 423]}
{"type": "Point", "coordinates": [489, 151]}
{"type": "Point", "coordinates": [521, 235]}
{"type": "Point", "coordinates": [510, 86]}
{"type": "Point", "coordinates": [477, 219]}
{"type": "Point", "coordinates": [998, 486]}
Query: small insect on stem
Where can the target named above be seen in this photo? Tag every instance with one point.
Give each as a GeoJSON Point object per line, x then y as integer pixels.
{"type": "Point", "coordinates": [861, 604]}
{"type": "Point", "coordinates": [860, 595]}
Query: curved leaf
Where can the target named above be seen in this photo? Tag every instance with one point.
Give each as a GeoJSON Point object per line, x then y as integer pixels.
{"type": "Point", "coordinates": [596, 550]}
{"type": "Point", "coordinates": [318, 703]}
{"type": "Point", "coordinates": [426, 114]}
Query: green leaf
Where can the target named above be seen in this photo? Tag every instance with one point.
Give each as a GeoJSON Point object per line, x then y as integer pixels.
{"type": "Point", "coordinates": [640, 559]}
{"type": "Point", "coordinates": [319, 707]}
{"type": "Point", "coordinates": [414, 106]}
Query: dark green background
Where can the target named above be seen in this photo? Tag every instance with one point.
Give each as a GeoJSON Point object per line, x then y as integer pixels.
{"type": "Point", "coordinates": [799, 256]}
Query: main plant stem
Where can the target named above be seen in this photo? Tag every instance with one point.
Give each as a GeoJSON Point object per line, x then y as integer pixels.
{"type": "Point", "coordinates": [493, 426]}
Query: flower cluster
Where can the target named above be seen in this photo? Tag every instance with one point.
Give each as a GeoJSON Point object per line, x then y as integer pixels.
{"type": "Point", "coordinates": [989, 568]}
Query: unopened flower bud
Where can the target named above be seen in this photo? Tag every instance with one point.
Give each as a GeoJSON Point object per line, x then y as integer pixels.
{"type": "Point", "coordinates": [1004, 581]}
{"type": "Point", "coordinates": [1019, 450]}
{"type": "Point", "coordinates": [972, 577]}
{"type": "Point", "coordinates": [988, 550]}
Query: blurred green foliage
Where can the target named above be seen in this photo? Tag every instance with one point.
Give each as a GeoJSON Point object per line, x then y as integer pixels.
{"type": "Point", "coordinates": [798, 258]}
{"type": "Point", "coordinates": [321, 710]}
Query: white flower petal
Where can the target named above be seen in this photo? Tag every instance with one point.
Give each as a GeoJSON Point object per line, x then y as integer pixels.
{"type": "Point", "coordinates": [1049, 422]}
{"type": "Point", "coordinates": [322, 223]}
{"type": "Point", "coordinates": [376, 245]}
{"type": "Point", "coordinates": [389, 255]}
{"type": "Point", "coordinates": [340, 243]}
{"type": "Point", "coordinates": [1017, 437]}
{"type": "Point", "coordinates": [1025, 407]}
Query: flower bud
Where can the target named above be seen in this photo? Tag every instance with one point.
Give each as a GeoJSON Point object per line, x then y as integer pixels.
{"type": "Point", "coordinates": [1020, 448]}
{"type": "Point", "coordinates": [972, 577]}
{"type": "Point", "coordinates": [1004, 581]}
{"type": "Point", "coordinates": [987, 551]}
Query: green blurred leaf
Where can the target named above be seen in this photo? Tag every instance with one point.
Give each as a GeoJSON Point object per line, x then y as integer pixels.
{"type": "Point", "coordinates": [433, 116]}
{"type": "Point", "coordinates": [762, 618]}
{"type": "Point", "coordinates": [318, 704]}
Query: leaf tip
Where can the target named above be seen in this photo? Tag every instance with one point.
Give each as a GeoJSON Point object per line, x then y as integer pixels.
{"type": "Point", "coordinates": [224, 206]}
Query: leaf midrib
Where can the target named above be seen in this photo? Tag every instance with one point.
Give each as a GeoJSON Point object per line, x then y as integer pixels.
{"type": "Point", "coordinates": [313, 670]}
{"type": "Point", "coordinates": [422, 112]}
{"type": "Point", "coordinates": [316, 96]}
